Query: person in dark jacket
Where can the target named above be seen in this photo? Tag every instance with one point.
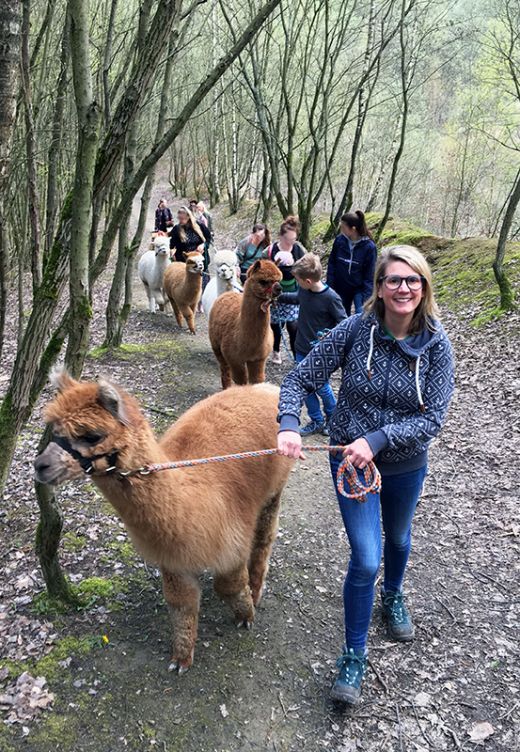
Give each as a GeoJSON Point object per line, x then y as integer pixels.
{"type": "Point", "coordinates": [189, 235]}
{"type": "Point", "coordinates": [163, 217]}
{"type": "Point", "coordinates": [397, 382]}
{"type": "Point", "coordinates": [350, 271]}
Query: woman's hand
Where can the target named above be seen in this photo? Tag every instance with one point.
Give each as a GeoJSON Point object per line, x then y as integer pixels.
{"type": "Point", "coordinates": [290, 445]}
{"type": "Point", "coordinates": [359, 453]}
{"type": "Point", "coordinates": [200, 248]}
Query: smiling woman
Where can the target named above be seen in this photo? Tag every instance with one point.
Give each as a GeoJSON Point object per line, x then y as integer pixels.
{"type": "Point", "coordinates": [397, 382]}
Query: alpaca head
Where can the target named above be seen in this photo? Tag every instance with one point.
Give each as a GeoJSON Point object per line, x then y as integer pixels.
{"type": "Point", "coordinates": [194, 262]}
{"type": "Point", "coordinates": [92, 422]}
{"type": "Point", "coordinates": [226, 263]}
{"type": "Point", "coordinates": [161, 246]}
{"type": "Point", "coordinates": [263, 280]}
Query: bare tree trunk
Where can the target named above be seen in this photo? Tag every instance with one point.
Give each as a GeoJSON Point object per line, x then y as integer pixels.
{"type": "Point", "coordinates": [89, 116]}
{"type": "Point", "coordinates": [507, 298]}
{"type": "Point", "coordinates": [55, 146]}
{"type": "Point", "coordinates": [33, 200]}
{"type": "Point", "coordinates": [406, 79]}
{"type": "Point", "coordinates": [10, 39]}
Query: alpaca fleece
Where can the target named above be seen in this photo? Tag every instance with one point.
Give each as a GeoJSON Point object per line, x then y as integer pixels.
{"type": "Point", "coordinates": [221, 517]}
{"type": "Point", "coordinates": [239, 329]}
{"type": "Point", "coordinates": [183, 285]}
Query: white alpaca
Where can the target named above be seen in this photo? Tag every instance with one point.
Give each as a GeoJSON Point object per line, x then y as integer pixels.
{"type": "Point", "coordinates": [227, 279]}
{"type": "Point", "coordinates": [151, 268]}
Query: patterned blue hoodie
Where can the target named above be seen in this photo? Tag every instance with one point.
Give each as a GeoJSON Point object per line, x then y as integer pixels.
{"type": "Point", "coordinates": [393, 393]}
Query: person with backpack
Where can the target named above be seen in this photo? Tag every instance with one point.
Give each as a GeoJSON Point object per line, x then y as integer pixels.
{"type": "Point", "coordinates": [252, 247]}
{"type": "Point", "coordinates": [350, 271]}
{"type": "Point", "coordinates": [397, 382]}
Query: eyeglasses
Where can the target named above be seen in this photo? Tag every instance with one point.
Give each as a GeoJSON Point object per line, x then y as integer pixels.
{"type": "Point", "coordinates": [394, 281]}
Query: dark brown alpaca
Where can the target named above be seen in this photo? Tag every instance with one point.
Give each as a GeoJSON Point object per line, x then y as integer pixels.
{"type": "Point", "coordinates": [221, 517]}
{"type": "Point", "coordinates": [239, 329]}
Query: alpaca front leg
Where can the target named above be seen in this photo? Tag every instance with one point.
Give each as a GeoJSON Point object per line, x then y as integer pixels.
{"type": "Point", "coordinates": [265, 535]}
{"type": "Point", "coordinates": [225, 371]}
{"type": "Point", "coordinates": [176, 312]}
{"type": "Point", "coordinates": [150, 296]}
{"type": "Point", "coordinates": [233, 588]}
{"type": "Point", "coordinates": [239, 373]}
{"type": "Point", "coordinates": [182, 595]}
{"type": "Point", "coordinates": [189, 315]}
{"type": "Point", "coordinates": [256, 371]}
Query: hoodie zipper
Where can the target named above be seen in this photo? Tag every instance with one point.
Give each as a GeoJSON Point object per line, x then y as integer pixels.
{"type": "Point", "coordinates": [387, 378]}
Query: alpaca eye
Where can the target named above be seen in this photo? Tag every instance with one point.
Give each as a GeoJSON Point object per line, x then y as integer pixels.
{"type": "Point", "coordinates": [92, 438]}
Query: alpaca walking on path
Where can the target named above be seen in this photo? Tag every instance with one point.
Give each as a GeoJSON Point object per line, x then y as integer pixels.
{"type": "Point", "coordinates": [183, 285]}
{"type": "Point", "coordinates": [151, 268]}
{"type": "Point", "coordinates": [217, 517]}
{"type": "Point", "coordinates": [226, 279]}
{"type": "Point", "coordinates": [239, 329]}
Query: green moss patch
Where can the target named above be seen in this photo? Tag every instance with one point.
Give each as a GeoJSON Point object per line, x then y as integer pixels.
{"type": "Point", "coordinates": [160, 348]}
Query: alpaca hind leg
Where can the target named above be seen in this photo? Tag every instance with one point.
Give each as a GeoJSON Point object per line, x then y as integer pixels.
{"type": "Point", "coordinates": [233, 588]}
{"type": "Point", "coordinates": [182, 595]}
{"type": "Point", "coordinates": [177, 312]}
{"type": "Point", "coordinates": [265, 535]}
{"type": "Point", "coordinates": [256, 371]}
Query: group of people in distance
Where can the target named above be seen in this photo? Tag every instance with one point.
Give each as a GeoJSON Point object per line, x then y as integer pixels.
{"type": "Point", "coordinates": [397, 379]}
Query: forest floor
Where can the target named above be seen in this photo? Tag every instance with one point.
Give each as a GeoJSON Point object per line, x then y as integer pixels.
{"type": "Point", "coordinates": [107, 687]}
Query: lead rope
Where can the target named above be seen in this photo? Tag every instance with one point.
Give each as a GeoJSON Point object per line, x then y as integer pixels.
{"type": "Point", "coordinates": [346, 473]}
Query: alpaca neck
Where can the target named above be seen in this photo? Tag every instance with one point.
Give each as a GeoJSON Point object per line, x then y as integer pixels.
{"type": "Point", "coordinates": [224, 285]}
{"type": "Point", "coordinates": [193, 281]}
{"type": "Point", "coordinates": [252, 318]}
{"type": "Point", "coordinates": [140, 500]}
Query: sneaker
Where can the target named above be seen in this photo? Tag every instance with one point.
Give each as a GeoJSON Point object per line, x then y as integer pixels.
{"type": "Point", "coordinates": [312, 427]}
{"type": "Point", "coordinates": [398, 620]}
{"type": "Point", "coordinates": [352, 666]}
{"type": "Point", "coordinates": [276, 358]}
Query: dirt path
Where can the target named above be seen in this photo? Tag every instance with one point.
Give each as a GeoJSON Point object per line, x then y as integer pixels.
{"type": "Point", "coordinates": [268, 689]}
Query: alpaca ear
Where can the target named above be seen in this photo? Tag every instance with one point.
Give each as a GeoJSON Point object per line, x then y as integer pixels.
{"type": "Point", "coordinates": [60, 379]}
{"type": "Point", "coordinates": [252, 269]}
{"type": "Point", "coordinates": [111, 400]}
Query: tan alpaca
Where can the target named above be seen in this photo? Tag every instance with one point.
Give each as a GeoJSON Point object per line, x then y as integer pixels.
{"type": "Point", "coordinates": [183, 285]}
{"type": "Point", "coordinates": [239, 329]}
{"type": "Point", "coordinates": [221, 517]}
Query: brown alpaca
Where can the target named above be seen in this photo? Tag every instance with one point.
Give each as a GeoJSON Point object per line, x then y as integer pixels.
{"type": "Point", "coordinates": [239, 329]}
{"type": "Point", "coordinates": [221, 517]}
{"type": "Point", "coordinates": [183, 285]}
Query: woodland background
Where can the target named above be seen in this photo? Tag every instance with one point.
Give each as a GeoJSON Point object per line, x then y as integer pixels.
{"type": "Point", "coordinates": [409, 107]}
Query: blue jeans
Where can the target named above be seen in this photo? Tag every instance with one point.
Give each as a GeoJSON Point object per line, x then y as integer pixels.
{"type": "Point", "coordinates": [352, 296]}
{"type": "Point", "coordinates": [312, 402]}
{"type": "Point", "coordinates": [397, 502]}
{"type": "Point", "coordinates": [358, 302]}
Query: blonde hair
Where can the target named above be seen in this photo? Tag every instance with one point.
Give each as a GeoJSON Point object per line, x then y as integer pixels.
{"type": "Point", "coordinates": [308, 267]}
{"type": "Point", "coordinates": [427, 312]}
{"type": "Point", "coordinates": [193, 223]}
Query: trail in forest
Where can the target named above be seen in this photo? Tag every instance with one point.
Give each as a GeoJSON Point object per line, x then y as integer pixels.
{"type": "Point", "coordinates": [267, 689]}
